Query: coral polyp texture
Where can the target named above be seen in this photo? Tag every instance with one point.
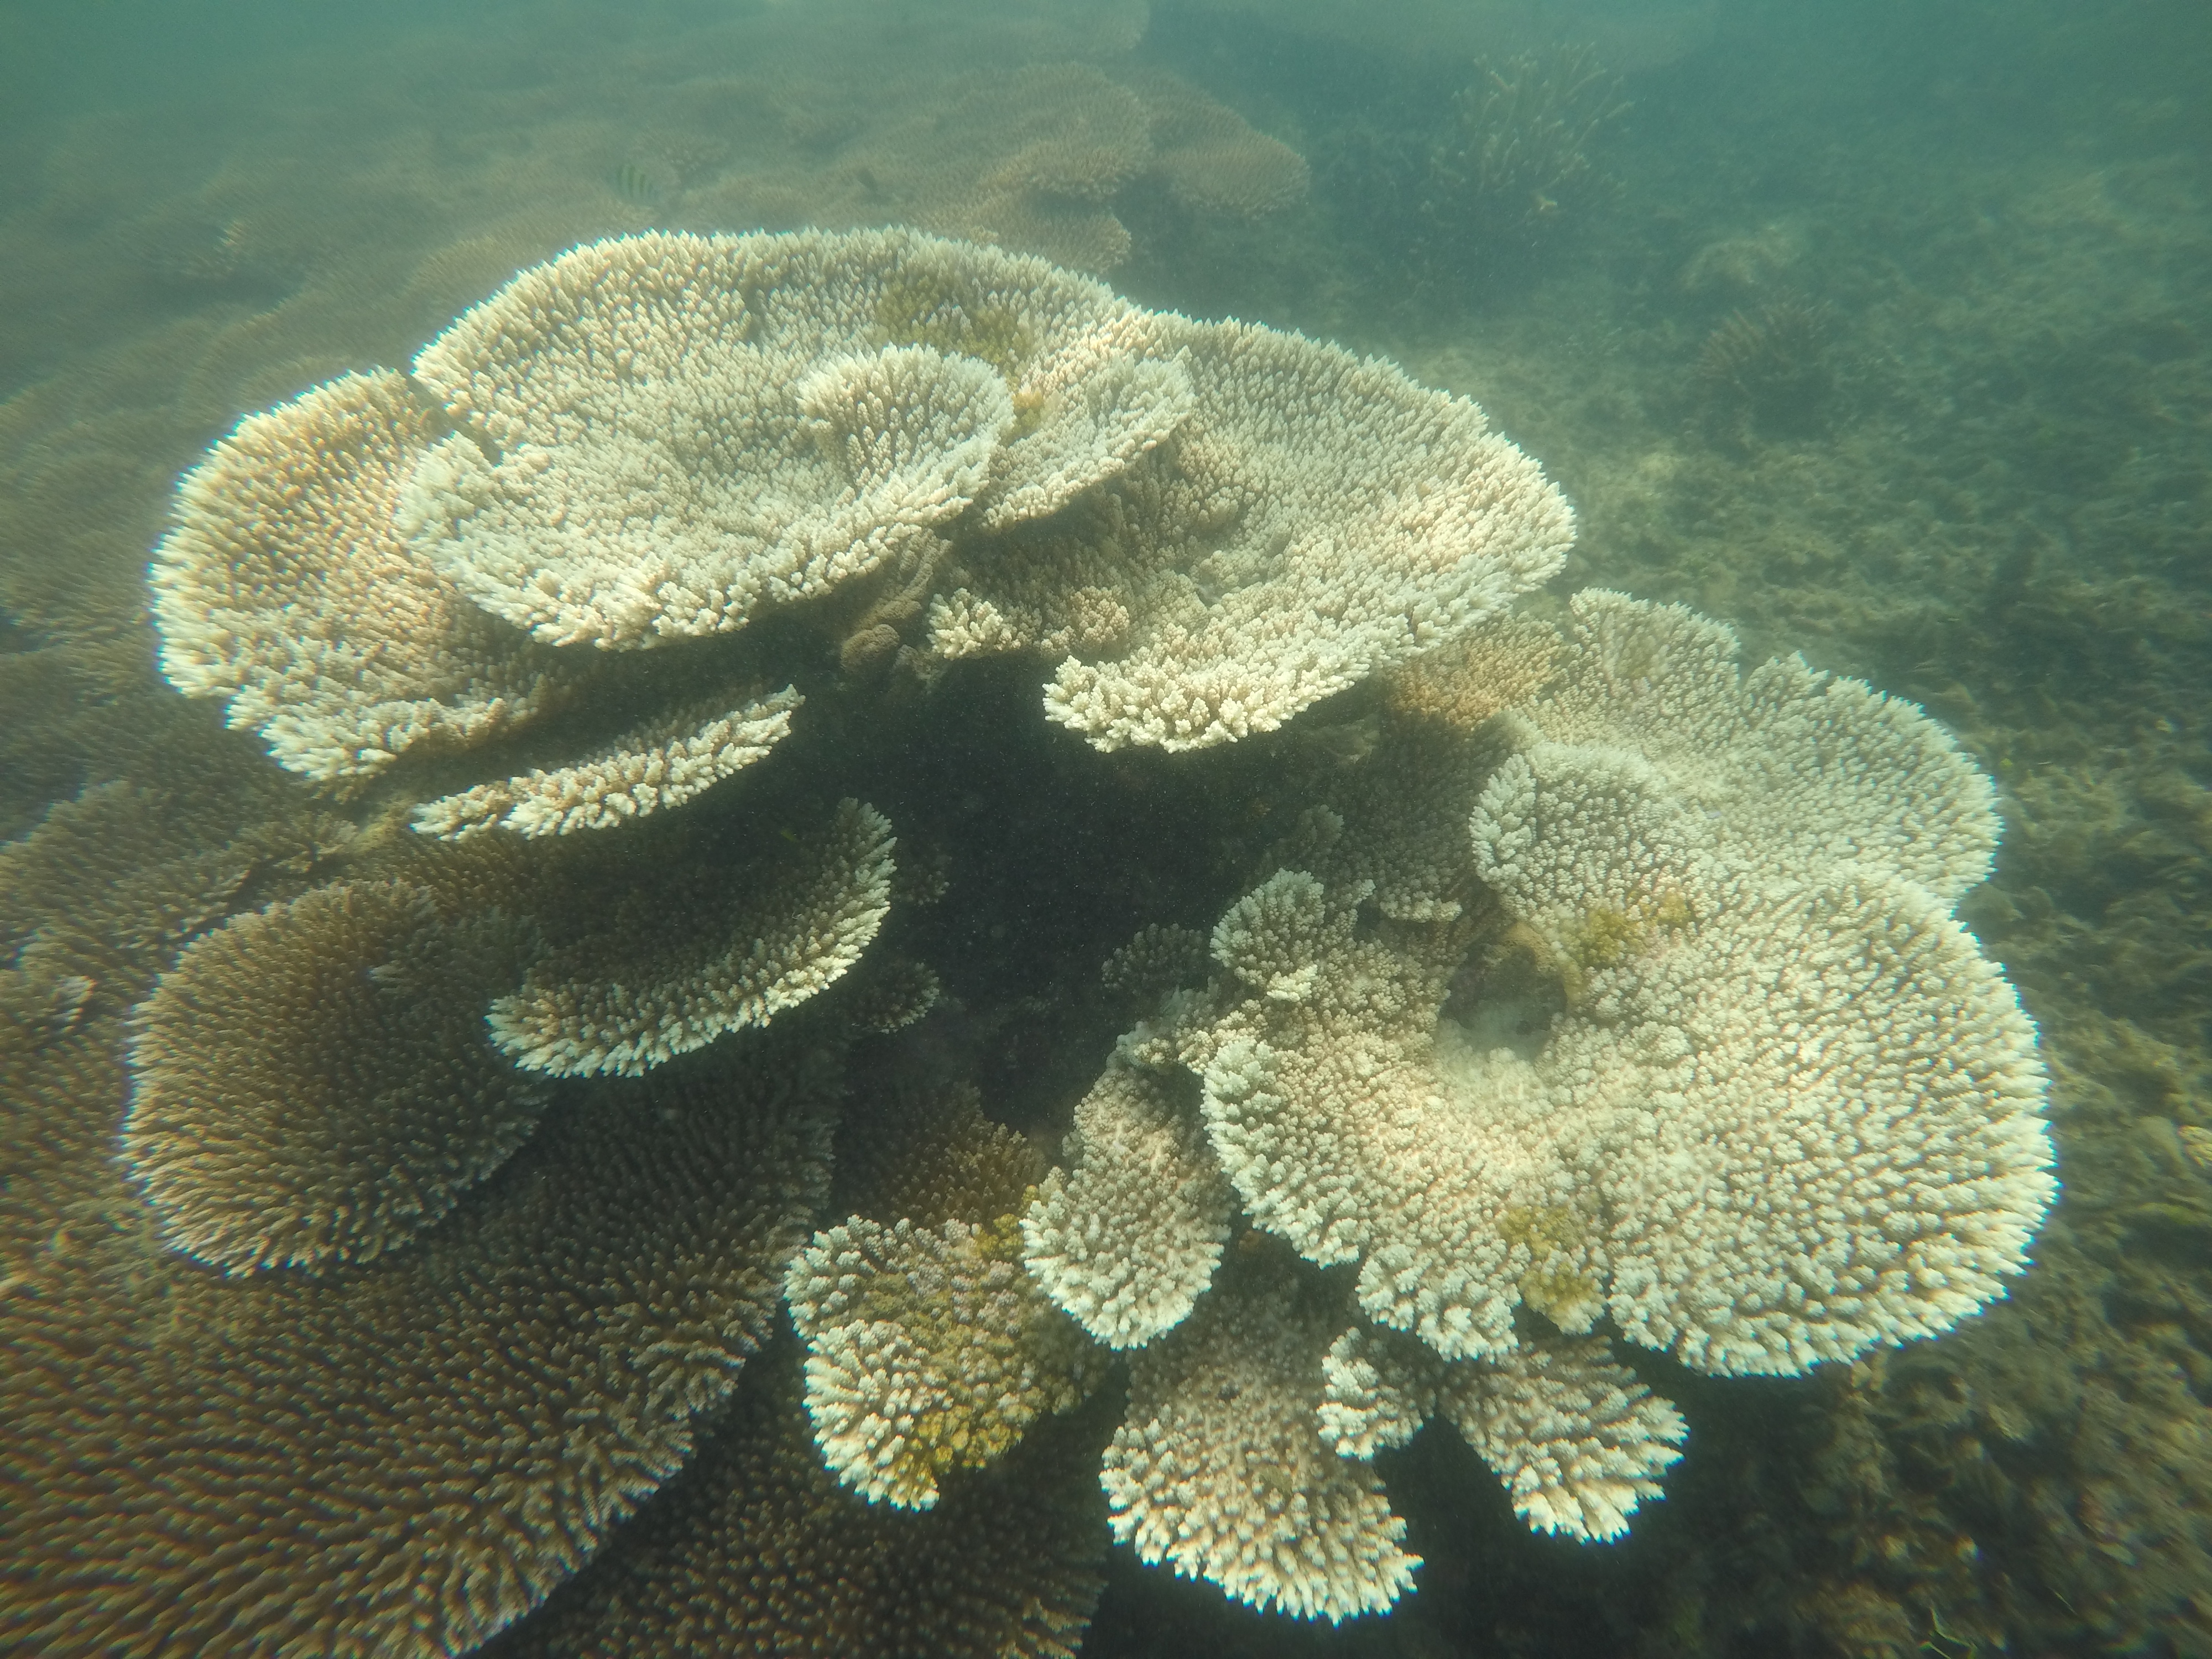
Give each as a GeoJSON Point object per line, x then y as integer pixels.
{"type": "Point", "coordinates": [676, 969]}
{"type": "Point", "coordinates": [664, 764]}
{"type": "Point", "coordinates": [756, 1548]}
{"type": "Point", "coordinates": [285, 588]}
{"type": "Point", "coordinates": [1219, 1470]}
{"type": "Point", "coordinates": [1642, 1003]}
{"type": "Point", "coordinates": [690, 429]}
{"type": "Point", "coordinates": [313, 1081]}
{"type": "Point", "coordinates": [930, 1350]}
{"type": "Point", "coordinates": [1594, 992]}
{"type": "Point", "coordinates": [1578, 1442]}
{"type": "Point", "coordinates": [1317, 518]}
{"type": "Point", "coordinates": [896, 1403]}
{"type": "Point", "coordinates": [660, 438]}
{"type": "Point", "coordinates": [400, 1455]}
{"type": "Point", "coordinates": [1791, 769]}
{"type": "Point", "coordinates": [1785, 1109]}
{"type": "Point", "coordinates": [1746, 883]}
{"type": "Point", "coordinates": [1126, 1239]}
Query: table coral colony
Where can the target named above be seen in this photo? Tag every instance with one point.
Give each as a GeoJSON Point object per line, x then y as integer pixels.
{"type": "Point", "coordinates": [1611, 994]}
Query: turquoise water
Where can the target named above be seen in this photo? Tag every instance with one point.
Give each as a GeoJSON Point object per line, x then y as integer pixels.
{"type": "Point", "coordinates": [1877, 331]}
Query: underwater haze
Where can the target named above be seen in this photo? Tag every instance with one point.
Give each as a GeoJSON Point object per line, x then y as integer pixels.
{"type": "Point", "coordinates": [804, 848]}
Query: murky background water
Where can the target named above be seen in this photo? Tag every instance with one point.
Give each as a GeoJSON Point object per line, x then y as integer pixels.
{"type": "Point", "coordinates": [1882, 332]}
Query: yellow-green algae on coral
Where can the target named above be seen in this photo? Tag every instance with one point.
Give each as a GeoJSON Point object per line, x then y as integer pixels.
{"type": "Point", "coordinates": [1602, 937]}
{"type": "Point", "coordinates": [1551, 1234]}
{"type": "Point", "coordinates": [927, 309]}
{"type": "Point", "coordinates": [756, 1548]}
{"type": "Point", "coordinates": [931, 1349]}
{"type": "Point", "coordinates": [2094, 911]}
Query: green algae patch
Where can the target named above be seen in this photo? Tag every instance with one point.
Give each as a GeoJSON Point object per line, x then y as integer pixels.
{"type": "Point", "coordinates": [1604, 937]}
{"type": "Point", "coordinates": [931, 311]}
{"type": "Point", "coordinates": [1552, 1233]}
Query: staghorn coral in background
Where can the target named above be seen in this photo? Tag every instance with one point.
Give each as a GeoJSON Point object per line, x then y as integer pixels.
{"type": "Point", "coordinates": [1510, 172]}
{"type": "Point", "coordinates": [1771, 365]}
{"type": "Point", "coordinates": [1527, 127]}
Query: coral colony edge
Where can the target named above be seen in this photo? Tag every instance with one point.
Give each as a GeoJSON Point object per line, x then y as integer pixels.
{"type": "Point", "coordinates": [1597, 991]}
